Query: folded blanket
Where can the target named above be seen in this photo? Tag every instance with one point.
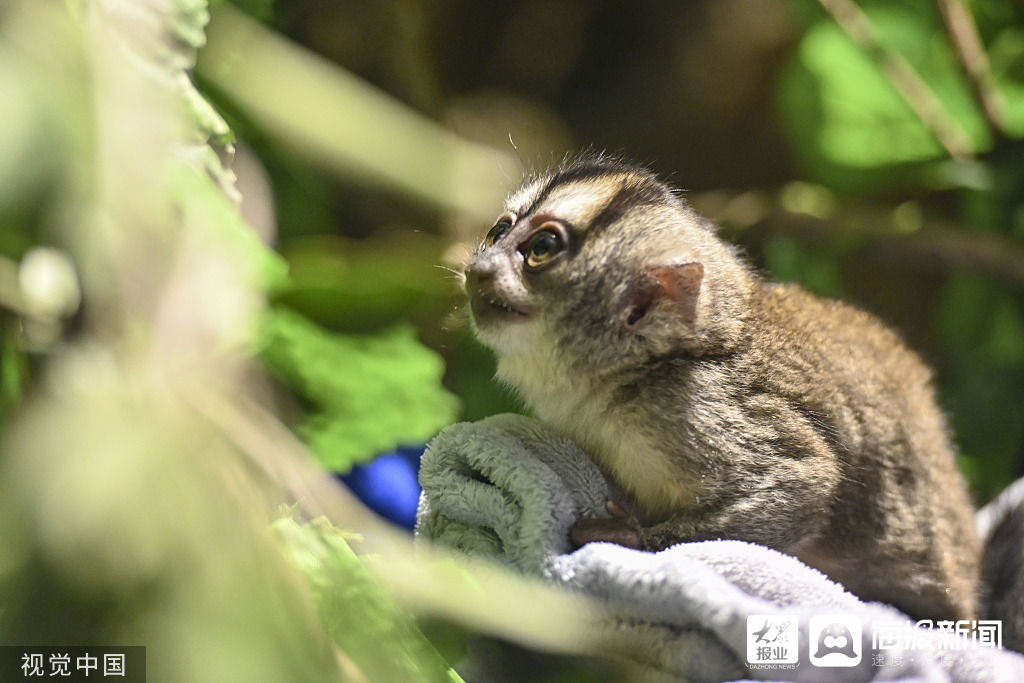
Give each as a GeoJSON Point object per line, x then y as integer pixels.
{"type": "Point", "coordinates": [508, 488]}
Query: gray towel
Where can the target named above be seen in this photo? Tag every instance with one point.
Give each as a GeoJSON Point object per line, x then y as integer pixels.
{"type": "Point", "coordinates": [508, 488]}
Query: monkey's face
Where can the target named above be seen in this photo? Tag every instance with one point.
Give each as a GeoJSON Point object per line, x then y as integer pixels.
{"type": "Point", "coordinates": [585, 266]}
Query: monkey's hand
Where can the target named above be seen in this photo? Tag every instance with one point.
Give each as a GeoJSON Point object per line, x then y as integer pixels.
{"type": "Point", "coordinates": [621, 528]}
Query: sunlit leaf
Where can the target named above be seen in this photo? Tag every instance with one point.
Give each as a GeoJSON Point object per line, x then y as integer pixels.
{"type": "Point", "coordinates": [371, 393]}
{"type": "Point", "coordinates": [842, 112]}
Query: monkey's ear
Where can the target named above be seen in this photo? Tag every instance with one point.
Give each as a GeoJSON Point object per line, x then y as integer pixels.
{"type": "Point", "coordinates": [679, 284]}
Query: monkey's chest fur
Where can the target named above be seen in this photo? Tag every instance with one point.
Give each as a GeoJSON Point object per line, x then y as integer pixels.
{"type": "Point", "coordinates": [623, 431]}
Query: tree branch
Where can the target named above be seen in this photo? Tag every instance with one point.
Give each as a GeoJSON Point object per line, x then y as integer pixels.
{"type": "Point", "coordinates": [908, 83]}
{"type": "Point", "coordinates": [947, 243]}
{"type": "Point", "coordinates": [963, 33]}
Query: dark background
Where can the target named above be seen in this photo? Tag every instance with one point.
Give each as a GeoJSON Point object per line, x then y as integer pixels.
{"type": "Point", "coordinates": [773, 121]}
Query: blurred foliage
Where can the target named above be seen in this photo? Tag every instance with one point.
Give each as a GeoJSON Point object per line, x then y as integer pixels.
{"type": "Point", "coordinates": [867, 150]}
{"type": "Point", "coordinates": [851, 125]}
{"type": "Point", "coordinates": [358, 614]}
{"type": "Point", "coordinates": [371, 393]}
{"type": "Point", "coordinates": [354, 285]}
{"type": "Point", "coordinates": [845, 115]}
{"type": "Point", "coordinates": [110, 537]}
{"type": "Point", "coordinates": [135, 506]}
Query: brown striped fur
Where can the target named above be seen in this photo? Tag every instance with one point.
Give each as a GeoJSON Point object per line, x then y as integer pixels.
{"type": "Point", "coordinates": [723, 405]}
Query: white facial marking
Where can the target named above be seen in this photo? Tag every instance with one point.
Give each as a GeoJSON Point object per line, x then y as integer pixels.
{"type": "Point", "coordinates": [580, 202]}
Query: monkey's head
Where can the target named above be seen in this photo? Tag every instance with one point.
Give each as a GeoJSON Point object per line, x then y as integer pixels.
{"type": "Point", "coordinates": [597, 266]}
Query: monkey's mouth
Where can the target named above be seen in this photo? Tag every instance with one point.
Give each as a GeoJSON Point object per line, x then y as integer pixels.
{"type": "Point", "coordinates": [488, 306]}
{"type": "Point", "coordinates": [505, 307]}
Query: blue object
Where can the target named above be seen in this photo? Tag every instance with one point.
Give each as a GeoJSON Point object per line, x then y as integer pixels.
{"type": "Point", "coordinates": [388, 484]}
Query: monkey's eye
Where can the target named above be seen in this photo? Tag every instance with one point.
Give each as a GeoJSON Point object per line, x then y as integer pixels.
{"type": "Point", "coordinates": [497, 232]}
{"type": "Point", "coordinates": [546, 244]}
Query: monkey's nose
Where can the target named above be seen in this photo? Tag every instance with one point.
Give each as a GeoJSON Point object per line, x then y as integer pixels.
{"type": "Point", "coordinates": [488, 301]}
{"type": "Point", "coordinates": [478, 276]}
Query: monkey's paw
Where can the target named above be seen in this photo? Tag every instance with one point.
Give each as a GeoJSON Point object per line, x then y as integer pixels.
{"type": "Point", "coordinates": [621, 528]}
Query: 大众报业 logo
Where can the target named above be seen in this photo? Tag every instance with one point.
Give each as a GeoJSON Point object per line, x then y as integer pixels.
{"type": "Point", "coordinates": [772, 639]}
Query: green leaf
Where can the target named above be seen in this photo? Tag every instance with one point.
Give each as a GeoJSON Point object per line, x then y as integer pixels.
{"type": "Point", "coordinates": [844, 115]}
{"type": "Point", "coordinates": [371, 393]}
{"type": "Point", "coordinates": [382, 640]}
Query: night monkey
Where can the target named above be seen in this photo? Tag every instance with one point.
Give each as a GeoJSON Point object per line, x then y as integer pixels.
{"type": "Point", "coordinates": [723, 405]}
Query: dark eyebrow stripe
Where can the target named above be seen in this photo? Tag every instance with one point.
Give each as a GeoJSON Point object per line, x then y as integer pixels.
{"type": "Point", "coordinates": [572, 175]}
{"type": "Point", "coordinates": [636, 192]}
